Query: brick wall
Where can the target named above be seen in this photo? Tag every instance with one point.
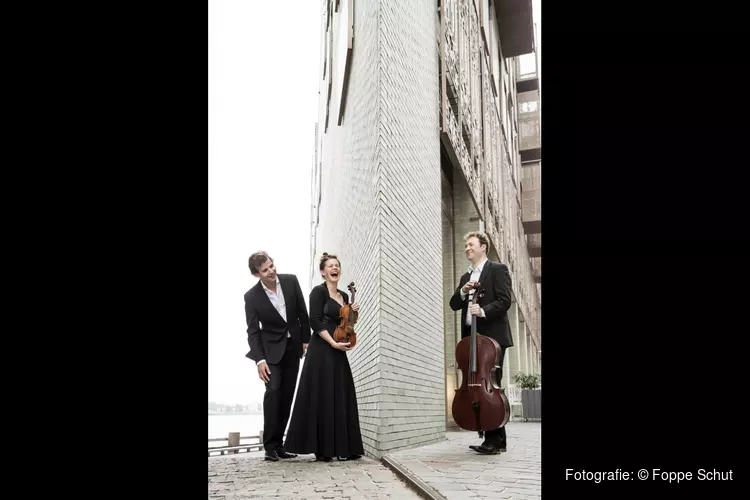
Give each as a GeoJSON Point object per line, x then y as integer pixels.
{"type": "Point", "coordinates": [349, 214]}
{"type": "Point", "coordinates": [413, 387]}
{"type": "Point", "coordinates": [380, 212]}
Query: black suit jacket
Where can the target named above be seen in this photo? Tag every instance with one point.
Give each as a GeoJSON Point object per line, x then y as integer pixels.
{"type": "Point", "coordinates": [266, 329]}
{"type": "Point", "coordinates": [495, 280]}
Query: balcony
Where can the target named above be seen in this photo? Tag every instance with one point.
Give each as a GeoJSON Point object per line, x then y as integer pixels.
{"type": "Point", "coordinates": [536, 268]}
{"type": "Point", "coordinates": [530, 144]}
{"type": "Point", "coordinates": [531, 200]}
{"type": "Point", "coordinates": [534, 244]}
{"type": "Point", "coordinates": [516, 26]}
{"type": "Point", "coordinates": [527, 78]}
{"type": "Point", "coordinates": [527, 82]}
{"type": "Point", "coordinates": [531, 215]}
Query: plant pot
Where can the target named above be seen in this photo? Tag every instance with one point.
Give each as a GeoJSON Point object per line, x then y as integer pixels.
{"type": "Point", "coordinates": [531, 399]}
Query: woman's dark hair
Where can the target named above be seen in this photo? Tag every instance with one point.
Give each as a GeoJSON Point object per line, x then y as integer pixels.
{"type": "Point", "coordinates": [325, 257]}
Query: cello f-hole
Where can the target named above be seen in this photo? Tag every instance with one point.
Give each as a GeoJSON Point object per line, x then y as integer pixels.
{"type": "Point", "coordinates": [493, 379]}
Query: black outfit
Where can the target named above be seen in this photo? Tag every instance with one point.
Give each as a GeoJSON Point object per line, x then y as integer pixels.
{"type": "Point", "coordinates": [267, 337]}
{"type": "Point", "coordinates": [495, 281]}
{"type": "Point", "coordinates": [325, 419]}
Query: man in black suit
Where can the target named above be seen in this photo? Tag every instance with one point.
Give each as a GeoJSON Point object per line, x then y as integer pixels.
{"type": "Point", "coordinates": [278, 331]}
{"type": "Point", "coordinates": [491, 312]}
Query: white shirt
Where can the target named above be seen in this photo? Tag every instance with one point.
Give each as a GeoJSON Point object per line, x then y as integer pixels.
{"type": "Point", "coordinates": [278, 302]}
{"type": "Point", "coordinates": [475, 273]}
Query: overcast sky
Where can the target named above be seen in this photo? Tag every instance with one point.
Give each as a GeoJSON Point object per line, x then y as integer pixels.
{"type": "Point", "coordinates": [263, 64]}
{"type": "Point", "coordinates": [263, 98]}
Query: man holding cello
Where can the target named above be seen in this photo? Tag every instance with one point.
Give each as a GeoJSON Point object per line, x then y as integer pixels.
{"type": "Point", "coordinates": [491, 311]}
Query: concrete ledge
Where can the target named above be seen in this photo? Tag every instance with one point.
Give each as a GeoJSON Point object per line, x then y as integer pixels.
{"type": "Point", "coordinates": [411, 480]}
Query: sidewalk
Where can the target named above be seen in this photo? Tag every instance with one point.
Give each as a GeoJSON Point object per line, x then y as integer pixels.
{"type": "Point", "coordinates": [247, 475]}
{"type": "Point", "coordinates": [446, 470]}
{"type": "Point", "coordinates": [450, 470]}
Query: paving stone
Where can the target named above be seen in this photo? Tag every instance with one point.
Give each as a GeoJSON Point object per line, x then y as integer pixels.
{"type": "Point", "coordinates": [248, 476]}
{"type": "Point", "coordinates": [449, 467]}
{"type": "Point", "coordinates": [456, 472]}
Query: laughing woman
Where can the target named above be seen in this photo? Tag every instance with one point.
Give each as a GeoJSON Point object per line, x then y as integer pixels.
{"type": "Point", "coordinates": [325, 419]}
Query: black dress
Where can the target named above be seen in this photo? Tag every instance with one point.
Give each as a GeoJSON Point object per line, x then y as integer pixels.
{"type": "Point", "coordinates": [325, 418]}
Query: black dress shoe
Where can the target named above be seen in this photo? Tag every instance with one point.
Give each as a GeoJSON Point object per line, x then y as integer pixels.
{"type": "Point", "coordinates": [499, 448]}
{"type": "Point", "coordinates": [487, 449]}
{"type": "Point", "coordinates": [485, 446]}
{"type": "Point", "coordinates": [320, 458]}
{"type": "Point", "coordinates": [283, 454]}
{"type": "Point", "coordinates": [272, 456]}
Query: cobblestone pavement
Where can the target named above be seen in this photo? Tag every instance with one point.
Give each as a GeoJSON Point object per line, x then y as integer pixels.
{"type": "Point", "coordinates": [456, 472]}
{"type": "Point", "coordinates": [247, 475]}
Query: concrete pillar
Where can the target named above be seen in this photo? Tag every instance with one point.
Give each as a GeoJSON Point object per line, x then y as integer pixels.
{"type": "Point", "coordinates": [506, 372]}
{"type": "Point", "coordinates": [512, 357]}
{"type": "Point", "coordinates": [234, 440]}
{"type": "Point", "coordinates": [523, 347]}
{"type": "Point", "coordinates": [452, 335]}
{"type": "Point", "coordinates": [532, 352]}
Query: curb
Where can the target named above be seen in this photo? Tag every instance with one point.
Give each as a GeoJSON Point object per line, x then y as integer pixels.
{"type": "Point", "coordinates": [411, 480]}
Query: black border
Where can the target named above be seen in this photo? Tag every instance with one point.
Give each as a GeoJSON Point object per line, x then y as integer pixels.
{"type": "Point", "coordinates": [643, 263]}
{"type": "Point", "coordinates": [127, 301]}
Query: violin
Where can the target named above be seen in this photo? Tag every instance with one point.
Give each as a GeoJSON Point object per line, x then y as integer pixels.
{"type": "Point", "coordinates": [479, 403]}
{"type": "Point", "coordinates": [347, 318]}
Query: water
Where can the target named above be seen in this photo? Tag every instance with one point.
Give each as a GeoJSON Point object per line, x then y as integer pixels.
{"type": "Point", "coordinates": [219, 426]}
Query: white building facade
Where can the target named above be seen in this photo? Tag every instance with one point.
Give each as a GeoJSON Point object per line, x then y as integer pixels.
{"type": "Point", "coordinates": [424, 134]}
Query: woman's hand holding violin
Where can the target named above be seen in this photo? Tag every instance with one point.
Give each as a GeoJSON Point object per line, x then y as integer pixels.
{"type": "Point", "coordinates": [342, 346]}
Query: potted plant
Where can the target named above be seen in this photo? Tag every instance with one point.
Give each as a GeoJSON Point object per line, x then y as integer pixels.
{"type": "Point", "coordinates": [531, 394]}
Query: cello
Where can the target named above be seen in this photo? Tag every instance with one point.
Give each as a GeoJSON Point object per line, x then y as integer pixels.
{"type": "Point", "coordinates": [479, 403]}
{"type": "Point", "coordinates": [347, 318]}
